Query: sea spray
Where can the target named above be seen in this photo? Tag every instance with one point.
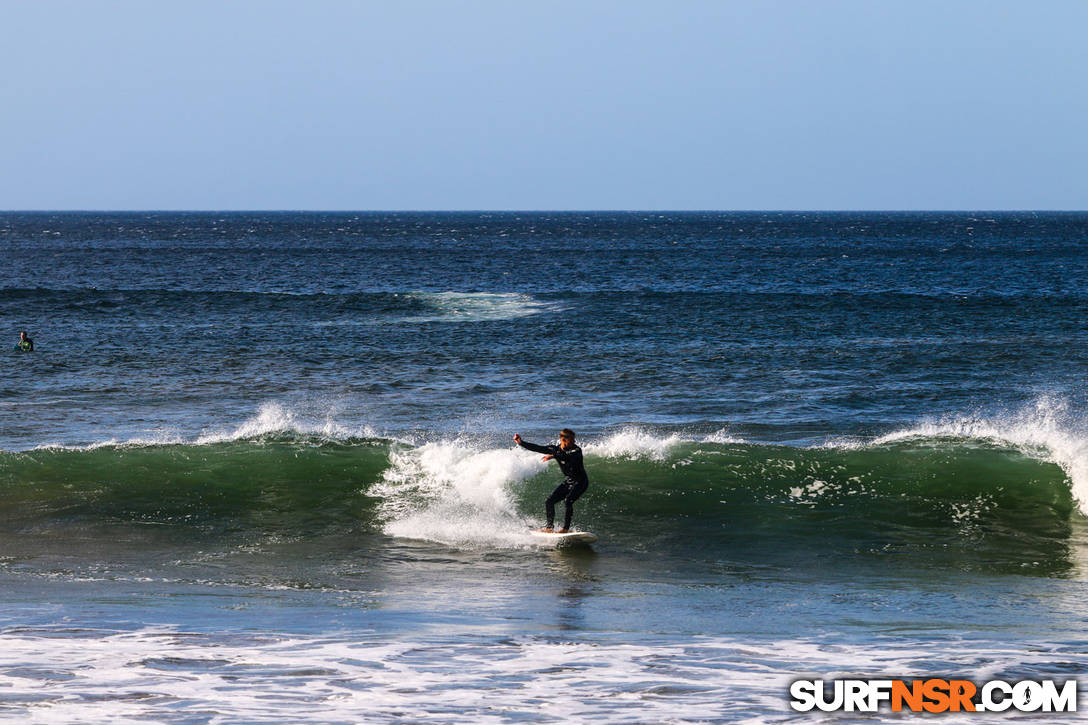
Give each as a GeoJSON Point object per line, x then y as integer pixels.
{"type": "Point", "coordinates": [277, 419]}
{"type": "Point", "coordinates": [633, 443]}
{"type": "Point", "coordinates": [454, 493]}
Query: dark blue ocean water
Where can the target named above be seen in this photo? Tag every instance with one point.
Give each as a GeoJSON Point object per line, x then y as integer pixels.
{"type": "Point", "coordinates": [258, 466]}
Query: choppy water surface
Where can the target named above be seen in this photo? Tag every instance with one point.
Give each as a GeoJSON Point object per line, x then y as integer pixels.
{"type": "Point", "coordinates": [259, 466]}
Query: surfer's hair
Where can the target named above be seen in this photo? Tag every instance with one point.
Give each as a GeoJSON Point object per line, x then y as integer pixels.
{"type": "Point", "coordinates": [566, 433]}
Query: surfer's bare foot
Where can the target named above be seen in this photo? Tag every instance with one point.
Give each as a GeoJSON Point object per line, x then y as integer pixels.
{"type": "Point", "coordinates": [563, 531]}
{"type": "Point", "coordinates": [545, 530]}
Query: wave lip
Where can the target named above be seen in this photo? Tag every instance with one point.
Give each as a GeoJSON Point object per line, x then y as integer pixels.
{"type": "Point", "coordinates": [634, 443]}
{"type": "Point", "coordinates": [1047, 431]}
{"type": "Point", "coordinates": [274, 418]}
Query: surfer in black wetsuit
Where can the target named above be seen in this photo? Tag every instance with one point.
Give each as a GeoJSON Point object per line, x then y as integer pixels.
{"type": "Point", "coordinates": [569, 457]}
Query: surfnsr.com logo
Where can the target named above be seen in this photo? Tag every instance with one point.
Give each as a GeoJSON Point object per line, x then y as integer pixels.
{"type": "Point", "coordinates": [933, 695]}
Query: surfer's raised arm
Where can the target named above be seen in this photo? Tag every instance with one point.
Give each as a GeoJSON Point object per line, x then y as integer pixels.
{"type": "Point", "coordinates": [550, 450]}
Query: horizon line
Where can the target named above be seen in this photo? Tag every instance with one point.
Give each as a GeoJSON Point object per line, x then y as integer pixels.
{"type": "Point", "coordinates": [544, 211]}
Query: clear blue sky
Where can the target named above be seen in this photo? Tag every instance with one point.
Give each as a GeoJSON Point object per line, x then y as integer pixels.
{"type": "Point", "coordinates": [510, 104]}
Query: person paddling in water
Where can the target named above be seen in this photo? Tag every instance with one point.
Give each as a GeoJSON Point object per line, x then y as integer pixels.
{"type": "Point", "coordinates": [569, 457]}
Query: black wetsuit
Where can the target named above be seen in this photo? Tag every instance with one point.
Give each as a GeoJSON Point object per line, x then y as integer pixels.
{"type": "Point", "coordinates": [573, 486]}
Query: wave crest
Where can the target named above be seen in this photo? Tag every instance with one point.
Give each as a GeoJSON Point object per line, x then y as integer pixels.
{"type": "Point", "coordinates": [1047, 430]}
{"type": "Point", "coordinates": [276, 419]}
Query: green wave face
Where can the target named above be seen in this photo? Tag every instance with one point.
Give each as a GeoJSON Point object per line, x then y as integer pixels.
{"type": "Point", "coordinates": [271, 485]}
{"type": "Point", "coordinates": [942, 503]}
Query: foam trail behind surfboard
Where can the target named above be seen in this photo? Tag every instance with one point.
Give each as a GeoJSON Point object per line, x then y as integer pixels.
{"type": "Point", "coordinates": [556, 539]}
{"type": "Point", "coordinates": [456, 493]}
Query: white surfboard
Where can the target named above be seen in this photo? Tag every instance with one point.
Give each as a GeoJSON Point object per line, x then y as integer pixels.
{"type": "Point", "coordinates": [574, 537]}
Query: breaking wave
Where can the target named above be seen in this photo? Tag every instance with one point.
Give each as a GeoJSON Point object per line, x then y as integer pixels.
{"type": "Point", "coordinates": [963, 492]}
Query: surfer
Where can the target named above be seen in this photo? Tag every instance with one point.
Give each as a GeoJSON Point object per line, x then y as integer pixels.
{"type": "Point", "coordinates": [25, 343]}
{"type": "Point", "coordinates": [569, 457]}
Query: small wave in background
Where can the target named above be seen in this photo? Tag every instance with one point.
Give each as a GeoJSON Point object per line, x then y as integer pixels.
{"type": "Point", "coordinates": [476, 307]}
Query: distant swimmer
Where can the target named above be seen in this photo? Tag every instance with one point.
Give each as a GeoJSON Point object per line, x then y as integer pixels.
{"type": "Point", "coordinates": [25, 344]}
{"type": "Point", "coordinates": [569, 457]}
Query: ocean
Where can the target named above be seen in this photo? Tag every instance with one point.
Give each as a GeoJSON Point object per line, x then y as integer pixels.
{"type": "Point", "coordinates": [259, 466]}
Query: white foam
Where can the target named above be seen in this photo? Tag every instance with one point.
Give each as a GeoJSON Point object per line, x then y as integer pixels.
{"type": "Point", "coordinates": [634, 444]}
{"type": "Point", "coordinates": [455, 493]}
{"type": "Point", "coordinates": [722, 437]}
{"type": "Point", "coordinates": [110, 676]}
{"type": "Point", "coordinates": [274, 418]}
{"type": "Point", "coordinates": [810, 492]}
{"type": "Point", "coordinates": [476, 306]}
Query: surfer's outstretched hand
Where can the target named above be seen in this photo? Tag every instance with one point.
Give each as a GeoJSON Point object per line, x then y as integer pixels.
{"type": "Point", "coordinates": [517, 439]}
